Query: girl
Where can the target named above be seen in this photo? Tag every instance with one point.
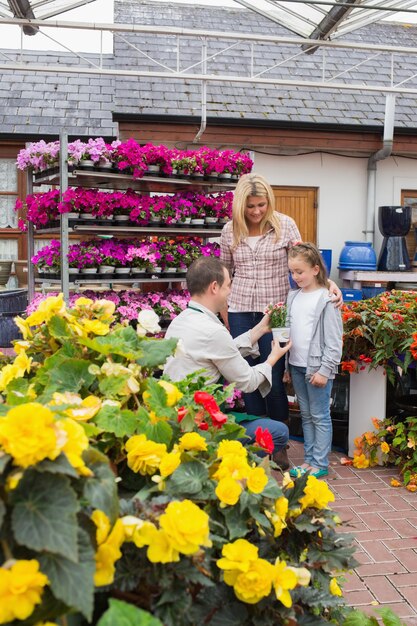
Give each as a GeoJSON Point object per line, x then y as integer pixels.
{"type": "Point", "coordinates": [254, 247]}
{"type": "Point", "coordinates": [316, 335]}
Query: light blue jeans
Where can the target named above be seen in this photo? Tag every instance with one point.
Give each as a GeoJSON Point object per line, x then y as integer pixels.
{"type": "Point", "coordinates": [315, 416]}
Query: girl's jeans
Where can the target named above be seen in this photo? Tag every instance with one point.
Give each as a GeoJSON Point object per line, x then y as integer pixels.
{"type": "Point", "coordinates": [275, 404]}
{"type": "Point", "coordinates": [315, 416]}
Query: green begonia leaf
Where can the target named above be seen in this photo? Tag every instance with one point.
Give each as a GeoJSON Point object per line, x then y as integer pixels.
{"type": "Point", "coordinates": [124, 614]}
{"type": "Point", "coordinates": [73, 583]}
{"type": "Point", "coordinates": [235, 522]}
{"type": "Point", "coordinates": [70, 375]}
{"type": "Point", "coordinates": [122, 341]}
{"type": "Point", "coordinates": [188, 479]}
{"type": "Point", "coordinates": [114, 420]}
{"type": "Point", "coordinates": [114, 386]}
{"type": "Point", "coordinates": [58, 328]}
{"type": "Point", "coordinates": [2, 512]}
{"type": "Point", "coordinates": [17, 391]}
{"type": "Point", "coordinates": [4, 459]}
{"type": "Point", "coordinates": [60, 465]}
{"type": "Point", "coordinates": [100, 491]}
{"type": "Point", "coordinates": [155, 352]}
{"type": "Point", "coordinates": [44, 514]}
{"type": "Point", "coordinates": [161, 432]}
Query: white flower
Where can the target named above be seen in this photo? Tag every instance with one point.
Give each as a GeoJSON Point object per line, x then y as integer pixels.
{"type": "Point", "coordinates": [180, 349]}
{"type": "Point", "coordinates": [148, 319]}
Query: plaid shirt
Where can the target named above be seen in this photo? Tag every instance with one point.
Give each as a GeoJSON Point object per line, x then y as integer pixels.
{"type": "Point", "coordinates": [259, 276]}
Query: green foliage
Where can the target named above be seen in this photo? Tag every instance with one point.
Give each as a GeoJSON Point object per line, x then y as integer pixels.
{"type": "Point", "coordinates": [380, 331]}
{"type": "Point", "coordinates": [358, 618]}
{"type": "Point", "coordinates": [124, 614]}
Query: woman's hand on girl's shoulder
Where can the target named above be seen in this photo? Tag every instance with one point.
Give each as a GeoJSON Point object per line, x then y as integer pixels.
{"type": "Point", "coordinates": [335, 294]}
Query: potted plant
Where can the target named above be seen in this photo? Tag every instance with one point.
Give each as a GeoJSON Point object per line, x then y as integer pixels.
{"type": "Point", "coordinates": [278, 321]}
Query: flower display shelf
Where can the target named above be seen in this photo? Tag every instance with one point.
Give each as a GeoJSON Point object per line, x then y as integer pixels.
{"type": "Point", "coordinates": [355, 278]}
{"type": "Point", "coordinates": [204, 231]}
{"type": "Point", "coordinates": [65, 176]}
{"type": "Point", "coordinates": [120, 181]}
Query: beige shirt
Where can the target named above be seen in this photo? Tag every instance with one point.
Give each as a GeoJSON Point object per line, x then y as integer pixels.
{"type": "Point", "coordinates": [208, 345]}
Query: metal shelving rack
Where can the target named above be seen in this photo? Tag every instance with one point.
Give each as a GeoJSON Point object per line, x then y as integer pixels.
{"type": "Point", "coordinates": [78, 177]}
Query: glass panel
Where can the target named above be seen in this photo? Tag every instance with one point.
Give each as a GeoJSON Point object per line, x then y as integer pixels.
{"type": "Point", "coordinates": [8, 249]}
{"type": "Point", "coordinates": [8, 216]}
{"type": "Point", "coordinates": [8, 175]}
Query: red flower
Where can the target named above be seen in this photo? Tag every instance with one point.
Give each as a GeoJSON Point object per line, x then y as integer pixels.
{"type": "Point", "coordinates": [348, 366]}
{"type": "Point", "coordinates": [210, 405]}
{"type": "Point", "coordinates": [264, 439]}
{"type": "Point", "coordinates": [181, 413]}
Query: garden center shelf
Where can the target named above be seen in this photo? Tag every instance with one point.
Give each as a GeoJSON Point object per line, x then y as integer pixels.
{"type": "Point", "coordinates": [108, 179]}
{"type": "Point", "coordinates": [355, 278]}
{"type": "Point", "coordinates": [66, 176]}
{"type": "Point", "coordinates": [199, 231]}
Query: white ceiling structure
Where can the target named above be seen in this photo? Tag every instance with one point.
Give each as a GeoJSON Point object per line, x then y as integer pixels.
{"type": "Point", "coordinates": [319, 27]}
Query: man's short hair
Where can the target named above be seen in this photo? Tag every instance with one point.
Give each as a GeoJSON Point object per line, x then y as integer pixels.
{"type": "Point", "coordinates": [202, 272]}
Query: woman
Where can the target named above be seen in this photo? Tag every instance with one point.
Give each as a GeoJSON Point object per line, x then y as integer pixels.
{"type": "Point", "coordinates": [254, 246]}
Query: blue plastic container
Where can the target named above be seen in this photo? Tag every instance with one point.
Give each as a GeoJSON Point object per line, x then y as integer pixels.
{"type": "Point", "coordinates": [351, 295]}
{"type": "Point", "coordinates": [371, 292]}
{"type": "Point", "coordinates": [326, 254]}
{"type": "Point", "coordinates": [357, 255]}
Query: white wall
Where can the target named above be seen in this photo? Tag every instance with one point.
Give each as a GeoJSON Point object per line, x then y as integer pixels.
{"type": "Point", "coordinates": [342, 191]}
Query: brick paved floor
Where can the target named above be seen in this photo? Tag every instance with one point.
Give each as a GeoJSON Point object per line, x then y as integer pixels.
{"type": "Point", "coordinates": [383, 520]}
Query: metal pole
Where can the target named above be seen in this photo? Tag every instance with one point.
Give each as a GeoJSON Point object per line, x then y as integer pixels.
{"type": "Point", "coordinates": [63, 173]}
{"type": "Point", "coordinates": [31, 242]}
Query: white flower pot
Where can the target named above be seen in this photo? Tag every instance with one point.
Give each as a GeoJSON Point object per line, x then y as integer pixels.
{"type": "Point", "coordinates": [156, 270]}
{"type": "Point", "coordinates": [154, 169]}
{"type": "Point", "coordinates": [123, 271]}
{"type": "Point", "coordinates": [212, 220]}
{"type": "Point", "coordinates": [367, 399]}
{"type": "Point", "coordinates": [282, 335]}
{"type": "Point", "coordinates": [73, 271]}
{"type": "Point", "coordinates": [121, 218]}
{"type": "Point", "coordinates": [72, 215]}
{"type": "Point", "coordinates": [87, 163]}
{"type": "Point", "coordinates": [87, 216]}
{"type": "Point", "coordinates": [197, 221]}
{"type": "Point", "coordinates": [89, 270]}
{"type": "Point", "coordinates": [185, 220]}
{"type": "Point", "coordinates": [170, 270]}
{"type": "Point", "coordinates": [225, 176]}
{"type": "Point", "coordinates": [106, 269]}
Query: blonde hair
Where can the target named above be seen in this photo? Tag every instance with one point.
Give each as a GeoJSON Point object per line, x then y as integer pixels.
{"type": "Point", "coordinates": [253, 185]}
{"type": "Point", "coordinates": [311, 255]}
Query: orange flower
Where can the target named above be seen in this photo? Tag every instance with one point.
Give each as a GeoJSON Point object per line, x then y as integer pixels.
{"type": "Point", "coordinates": [361, 462]}
{"type": "Point", "coordinates": [395, 482]}
{"type": "Point", "coordinates": [377, 423]}
{"type": "Point", "coordinates": [385, 447]}
{"type": "Point", "coordinates": [411, 488]}
{"type": "Point", "coordinates": [349, 366]}
{"type": "Point", "coordinates": [358, 442]}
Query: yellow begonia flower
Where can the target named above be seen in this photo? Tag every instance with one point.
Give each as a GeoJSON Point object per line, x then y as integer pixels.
{"type": "Point", "coordinates": [28, 433]}
{"type": "Point", "coordinates": [334, 588]}
{"type": "Point", "coordinates": [20, 366]}
{"type": "Point", "coordinates": [21, 588]}
{"type": "Point", "coordinates": [108, 547]}
{"type": "Point", "coordinates": [257, 480]}
{"type": "Point", "coordinates": [46, 624]}
{"type": "Point", "coordinates": [360, 461]}
{"type": "Point", "coordinates": [303, 575]}
{"type": "Point", "coordinates": [192, 441]}
{"type": "Point", "coordinates": [143, 455]}
{"type": "Point", "coordinates": [104, 309]}
{"type": "Point", "coordinates": [232, 465]}
{"type": "Point", "coordinates": [284, 579]}
{"type": "Point", "coordinates": [21, 346]}
{"type": "Point", "coordinates": [24, 327]}
{"type": "Point", "coordinates": [13, 480]}
{"type": "Point", "coordinates": [144, 534]}
{"type": "Point", "coordinates": [174, 395]}
{"type": "Point", "coordinates": [161, 550]}
{"type": "Point", "coordinates": [316, 494]}
{"type": "Point", "coordinates": [385, 447]}
{"type": "Point", "coordinates": [186, 525]}
{"type": "Point", "coordinates": [281, 506]}
{"type": "Point", "coordinates": [169, 463]}
{"type": "Point", "coordinates": [234, 448]}
{"type": "Point", "coordinates": [83, 303]}
{"type": "Point", "coordinates": [256, 583]}
{"type": "Point", "coordinates": [237, 555]}
{"type": "Point", "coordinates": [96, 327]}
{"type": "Point", "coordinates": [75, 444]}
{"type": "Point", "coordinates": [54, 305]}
{"type": "Point", "coordinates": [228, 490]}
{"type": "Point", "coordinates": [84, 409]}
